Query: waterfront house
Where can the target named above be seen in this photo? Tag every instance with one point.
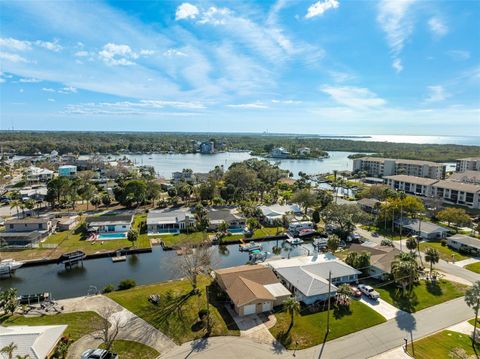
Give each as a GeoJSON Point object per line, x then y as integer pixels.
{"type": "Point", "coordinates": [35, 342]}
{"type": "Point", "coordinates": [207, 147]}
{"type": "Point", "coordinates": [235, 222]}
{"type": "Point", "coordinates": [29, 224]}
{"type": "Point", "coordinates": [252, 289]}
{"type": "Point", "coordinates": [464, 243]}
{"type": "Point", "coordinates": [381, 258]}
{"type": "Point", "coordinates": [169, 221]}
{"type": "Point", "coordinates": [67, 171]}
{"type": "Point", "coordinates": [423, 229]}
{"type": "Point", "coordinates": [280, 152]}
{"type": "Point", "coordinates": [104, 225]}
{"type": "Point", "coordinates": [26, 232]}
{"type": "Point", "coordinates": [275, 212]}
{"type": "Point", "coordinates": [67, 223]}
{"type": "Point", "coordinates": [36, 174]}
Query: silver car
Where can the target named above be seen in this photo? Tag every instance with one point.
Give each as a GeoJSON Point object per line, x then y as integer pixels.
{"type": "Point", "coordinates": [98, 354]}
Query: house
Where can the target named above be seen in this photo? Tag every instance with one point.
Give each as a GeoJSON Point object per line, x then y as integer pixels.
{"type": "Point", "coordinates": [67, 223]}
{"type": "Point", "coordinates": [464, 243]}
{"type": "Point", "coordinates": [21, 239]}
{"type": "Point", "coordinates": [276, 212]}
{"type": "Point", "coordinates": [307, 277]}
{"type": "Point", "coordinates": [29, 224]}
{"type": "Point", "coordinates": [468, 164]}
{"type": "Point", "coordinates": [37, 193]}
{"type": "Point", "coordinates": [381, 258]}
{"type": "Point", "coordinates": [304, 151]}
{"type": "Point", "coordinates": [235, 222]}
{"type": "Point", "coordinates": [369, 205]}
{"type": "Point", "coordinates": [280, 152]}
{"type": "Point", "coordinates": [207, 147]}
{"type": "Point", "coordinates": [35, 342]}
{"type": "Point", "coordinates": [169, 221]}
{"type": "Point", "coordinates": [185, 175]}
{"type": "Point", "coordinates": [425, 230]}
{"type": "Point", "coordinates": [251, 288]}
{"type": "Point", "coordinates": [119, 224]}
{"type": "Point", "coordinates": [36, 174]}
{"type": "Point", "coordinates": [67, 171]}
{"type": "Point", "coordinates": [379, 167]}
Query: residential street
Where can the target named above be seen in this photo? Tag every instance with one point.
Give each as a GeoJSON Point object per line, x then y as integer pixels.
{"type": "Point", "coordinates": [361, 345]}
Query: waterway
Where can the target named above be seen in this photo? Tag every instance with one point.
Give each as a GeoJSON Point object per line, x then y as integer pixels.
{"type": "Point", "coordinates": [145, 268]}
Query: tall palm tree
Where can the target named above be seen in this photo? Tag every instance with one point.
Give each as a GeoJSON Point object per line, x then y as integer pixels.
{"type": "Point", "coordinates": [432, 256]}
{"type": "Point", "coordinates": [405, 271]}
{"type": "Point", "coordinates": [411, 244]}
{"type": "Point", "coordinates": [292, 306]}
{"type": "Point", "coordinates": [15, 204]}
{"type": "Point", "coordinates": [9, 349]}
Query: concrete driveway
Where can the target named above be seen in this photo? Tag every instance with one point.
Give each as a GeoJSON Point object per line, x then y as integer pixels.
{"type": "Point", "coordinates": [383, 308]}
{"type": "Point", "coordinates": [255, 326]}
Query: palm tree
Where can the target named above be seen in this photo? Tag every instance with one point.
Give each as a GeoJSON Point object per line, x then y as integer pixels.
{"type": "Point", "coordinates": [9, 349]}
{"type": "Point", "coordinates": [15, 204]}
{"type": "Point", "coordinates": [405, 271]}
{"type": "Point", "coordinates": [411, 244]}
{"type": "Point", "coordinates": [292, 306]}
{"type": "Point", "coordinates": [432, 256]}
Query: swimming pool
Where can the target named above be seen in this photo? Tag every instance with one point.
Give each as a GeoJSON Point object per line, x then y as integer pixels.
{"type": "Point", "coordinates": [235, 230]}
{"type": "Point", "coordinates": [107, 236]}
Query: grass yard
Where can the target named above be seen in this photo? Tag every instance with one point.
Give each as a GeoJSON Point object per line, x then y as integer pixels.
{"type": "Point", "coordinates": [176, 315]}
{"type": "Point", "coordinates": [444, 251]}
{"type": "Point", "coordinates": [440, 345]}
{"type": "Point", "coordinates": [309, 329]}
{"type": "Point", "coordinates": [127, 349]}
{"type": "Point", "coordinates": [474, 267]}
{"type": "Point", "coordinates": [259, 233]}
{"type": "Point", "coordinates": [424, 295]}
{"type": "Point", "coordinates": [177, 240]}
{"type": "Point", "coordinates": [79, 323]}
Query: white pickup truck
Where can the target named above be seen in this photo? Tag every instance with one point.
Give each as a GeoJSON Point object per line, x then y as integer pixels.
{"type": "Point", "coordinates": [368, 291]}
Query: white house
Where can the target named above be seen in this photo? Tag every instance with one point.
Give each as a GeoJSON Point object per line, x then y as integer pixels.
{"type": "Point", "coordinates": [36, 174]}
{"type": "Point", "coordinates": [277, 211]}
{"type": "Point", "coordinates": [461, 242]}
{"type": "Point", "coordinates": [169, 221]}
{"type": "Point", "coordinates": [119, 224]}
{"type": "Point", "coordinates": [280, 152]}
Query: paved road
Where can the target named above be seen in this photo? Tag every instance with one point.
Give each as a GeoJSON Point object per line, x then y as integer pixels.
{"type": "Point", "coordinates": [362, 344]}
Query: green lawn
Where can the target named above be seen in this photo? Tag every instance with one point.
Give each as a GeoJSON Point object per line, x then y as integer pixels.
{"type": "Point", "coordinates": [177, 240]}
{"type": "Point", "coordinates": [259, 233]}
{"type": "Point", "coordinates": [79, 323]}
{"type": "Point", "coordinates": [127, 349]}
{"type": "Point", "coordinates": [424, 294]}
{"type": "Point", "coordinates": [474, 267]}
{"type": "Point", "coordinates": [472, 322]}
{"type": "Point", "coordinates": [439, 345]}
{"type": "Point", "coordinates": [444, 251]}
{"type": "Point", "coordinates": [309, 329]}
{"type": "Point", "coordinates": [177, 313]}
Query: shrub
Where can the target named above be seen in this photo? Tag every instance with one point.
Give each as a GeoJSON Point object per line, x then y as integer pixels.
{"type": "Point", "coordinates": [443, 242]}
{"type": "Point", "coordinates": [108, 288]}
{"type": "Point", "coordinates": [126, 284]}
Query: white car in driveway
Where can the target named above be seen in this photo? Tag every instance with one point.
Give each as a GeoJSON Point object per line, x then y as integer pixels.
{"type": "Point", "coordinates": [369, 291]}
{"type": "Point", "coordinates": [98, 354]}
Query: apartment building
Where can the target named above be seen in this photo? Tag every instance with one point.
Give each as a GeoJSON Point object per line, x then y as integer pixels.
{"type": "Point", "coordinates": [450, 191]}
{"type": "Point", "coordinates": [468, 164]}
{"type": "Point", "coordinates": [379, 167]}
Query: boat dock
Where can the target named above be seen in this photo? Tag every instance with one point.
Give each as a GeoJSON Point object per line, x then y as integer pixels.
{"type": "Point", "coordinates": [72, 258]}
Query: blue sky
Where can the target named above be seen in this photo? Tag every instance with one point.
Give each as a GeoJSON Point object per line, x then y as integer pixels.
{"type": "Point", "coordinates": [327, 67]}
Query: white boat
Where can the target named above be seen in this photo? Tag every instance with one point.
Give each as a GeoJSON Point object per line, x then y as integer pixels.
{"type": "Point", "coordinates": [294, 240]}
{"type": "Point", "coordinates": [251, 246]}
{"type": "Point", "coordinates": [9, 265]}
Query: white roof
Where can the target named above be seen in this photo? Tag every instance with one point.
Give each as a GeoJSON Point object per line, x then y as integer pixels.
{"type": "Point", "coordinates": [36, 341]}
{"type": "Point", "coordinates": [301, 261]}
{"type": "Point", "coordinates": [279, 210]}
{"type": "Point", "coordinates": [277, 289]}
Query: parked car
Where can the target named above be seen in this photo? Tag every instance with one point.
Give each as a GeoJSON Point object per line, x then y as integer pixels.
{"type": "Point", "coordinates": [375, 234]}
{"type": "Point", "coordinates": [355, 291]}
{"type": "Point", "coordinates": [368, 291]}
{"type": "Point", "coordinates": [98, 354]}
{"type": "Point", "coordinates": [355, 238]}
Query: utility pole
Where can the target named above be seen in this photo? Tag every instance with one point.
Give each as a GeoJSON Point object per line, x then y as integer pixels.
{"type": "Point", "coordinates": [328, 304]}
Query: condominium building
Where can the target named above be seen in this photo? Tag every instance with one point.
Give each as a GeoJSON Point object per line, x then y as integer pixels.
{"type": "Point", "coordinates": [450, 191]}
{"type": "Point", "coordinates": [379, 167]}
{"type": "Point", "coordinates": [468, 164]}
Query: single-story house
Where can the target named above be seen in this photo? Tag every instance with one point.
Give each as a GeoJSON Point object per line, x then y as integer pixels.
{"type": "Point", "coordinates": [381, 258]}
{"type": "Point", "coordinates": [425, 230]}
{"type": "Point", "coordinates": [276, 212]}
{"type": "Point", "coordinates": [29, 224]}
{"type": "Point", "coordinates": [235, 222]}
{"type": "Point", "coordinates": [22, 239]}
{"type": "Point", "coordinates": [251, 288]}
{"type": "Point", "coordinates": [309, 282]}
{"type": "Point", "coordinates": [462, 242]}
{"type": "Point", "coordinates": [109, 224]}
{"type": "Point", "coordinates": [36, 342]}
{"type": "Point", "coordinates": [67, 223]}
{"type": "Point", "coordinates": [35, 193]}
{"type": "Point", "coordinates": [369, 205]}
{"type": "Point", "coordinates": [169, 221]}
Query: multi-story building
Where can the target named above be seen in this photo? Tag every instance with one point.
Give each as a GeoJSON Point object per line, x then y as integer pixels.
{"type": "Point", "coordinates": [280, 152]}
{"type": "Point", "coordinates": [207, 147]}
{"type": "Point", "coordinates": [67, 171]}
{"type": "Point", "coordinates": [379, 167]}
{"type": "Point", "coordinates": [468, 164]}
{"type": "Point", "coordinates": [449, 191]}
{"type": "Point", "coordinates": [36, 174]}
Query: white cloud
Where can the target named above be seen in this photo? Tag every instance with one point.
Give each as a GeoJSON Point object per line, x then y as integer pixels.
{"type": "Point", "coordinates": [186, 11]}
{"type": "Point", "coordinates": [459, 55]}
{"type": "Point", "coordinates": [29, 80]}
{"type": "Point", "coordinates": [143, 107]}
{"type": "Point", "coordinates": [394, 19]}
{"type": "Point", "coordinates": [145, 52]}
{"type": "Point", "coordinates": [47, 89]}
{"type": "Point", "coordinates": [82, 53]}
{"type": "Point", "coordinates": [356, 97]}
{"type": "Point", "coordinates": [320, 7]}
{"type": "Point", "coordinates": [340, 76]}
{"type": "Point", "coordinates": [115, 54]}
{"type": "Point", "coordinates": [51, 100]}
{"type": "Point", "coordinates": [436, 94]}
{"type": "Point", "coordinates": [215, 16]}
{"type": "Point", "coordinates": [287, 102]}
{"type": "Point", "coordinates": [397, 65]}
{"type": "Point", "coordinates": [14, 44]}
{"type": "Point", "coordinates": [437, 27]}
{"type": "Point", "coordinates": [67, 90]}
{"type": "Point", "coordinates": [52, 46]}
{"type": "Point", "coordinates": [249, 106]}
{"type": "Point", "coordinates": [174, 52]}
{"type": "Point", "coordinates": [12, 57]}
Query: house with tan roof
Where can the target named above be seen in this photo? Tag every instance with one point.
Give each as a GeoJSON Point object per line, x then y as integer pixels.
{"type": "Point", "coordinates": [252, 289]}
{"type": "Point", "coordinates": [381, 258]}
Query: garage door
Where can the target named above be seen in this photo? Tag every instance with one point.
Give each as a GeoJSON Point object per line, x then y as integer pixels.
{"type": "Point", "coordinates": [249, 309]}
{"type": "Point", "coordinates": [267, 306]}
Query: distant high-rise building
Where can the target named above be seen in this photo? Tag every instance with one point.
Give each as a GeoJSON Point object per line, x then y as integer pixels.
{"type": "Point", "coordinates": [379, 167]}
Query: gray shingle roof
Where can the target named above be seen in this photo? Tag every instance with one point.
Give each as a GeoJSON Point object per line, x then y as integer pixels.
{"type": "Point", "coordinates": [466, 240]}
